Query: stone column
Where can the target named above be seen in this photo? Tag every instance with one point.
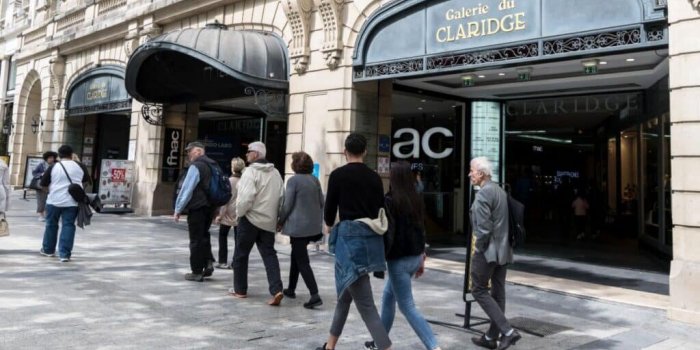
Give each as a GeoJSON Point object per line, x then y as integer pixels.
{"type": "Point", "coordinates": [684, 53]}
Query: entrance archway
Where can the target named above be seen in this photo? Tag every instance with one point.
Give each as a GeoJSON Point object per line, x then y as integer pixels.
{"type": "Point", "coordinates": [25, 139]}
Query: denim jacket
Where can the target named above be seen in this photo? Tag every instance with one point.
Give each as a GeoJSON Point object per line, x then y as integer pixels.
{"type": "Point", "coordinates": [358, 251]}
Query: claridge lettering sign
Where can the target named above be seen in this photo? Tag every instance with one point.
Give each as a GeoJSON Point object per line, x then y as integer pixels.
{"type": "Point", "coordinates": [459, 23]}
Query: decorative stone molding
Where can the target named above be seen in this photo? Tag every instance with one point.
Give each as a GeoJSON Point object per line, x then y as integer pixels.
{"type": "Point", "coordinates": [57, 66]}
{"type": "Point", "coordinates": [332, 15]}
{"type": "Point", "coordinates": [131, 41]}
{"type": "Point", "coordinates": [149, 32]}
{"type": "Point", "coordinates": [299, 15]}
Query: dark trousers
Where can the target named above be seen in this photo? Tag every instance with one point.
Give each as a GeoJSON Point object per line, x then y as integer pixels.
{"type": "Point", "coordinates": [493, 304]}
{"type": "Point", "coordinates": [360, 292]}
{"type": "Point", "coordinates": [223, 242]}
{"type": "Point", "coordinates": [300, 264]}
{"type": "Point", "coordinates": [249, 235]}
{"type": "Point", "coordinates": [198, 223]}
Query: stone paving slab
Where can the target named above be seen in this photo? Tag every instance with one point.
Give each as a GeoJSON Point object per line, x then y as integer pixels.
{"type": "Point", "coordinates": [124, 289]}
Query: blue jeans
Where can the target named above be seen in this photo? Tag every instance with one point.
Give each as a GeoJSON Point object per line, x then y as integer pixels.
{"type": "Point", "coordinates": [397, 290]}
{"type": "Point", "coordinates": [67, 216]}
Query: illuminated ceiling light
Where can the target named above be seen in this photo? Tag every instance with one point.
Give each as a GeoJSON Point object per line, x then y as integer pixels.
{"type": "Point", "coordinates": [420, 108]}
{"type": "Point", "coordinates": [423, 101]}
{"type": "Point", "coordinates": [501, 74]}
{"type": "Point", "coordinates": [630, 60]}
{"type": "Point", "coordinates": [603, 62]}
{"type": "Point", "coordinates": [482, 76]}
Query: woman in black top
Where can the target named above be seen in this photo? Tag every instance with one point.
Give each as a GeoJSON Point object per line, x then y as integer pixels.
{"type": "Point", "coordinates": [405, 242]}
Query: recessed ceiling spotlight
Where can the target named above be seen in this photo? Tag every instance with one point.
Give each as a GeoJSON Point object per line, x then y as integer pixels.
{"type": "Point", "coordinates": [422, 101]}
{"type": "Point", "coordinates": [453, 106]}
{"type": "Point", "coordinates": [482, 76]}
{"type": "Point", "coordinates": [603, 62]}
{"type": "Point", "coordinates": [420, 108]}
{"type": "Point", "coordinates": [501, 74]}
{"type": "Point", "coordinates": [630, 60]}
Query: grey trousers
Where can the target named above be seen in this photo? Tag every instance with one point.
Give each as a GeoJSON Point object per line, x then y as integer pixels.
{"type": "Point", "coordinates": [493, 304]}
{"type": "Point", "coordinates": [361, 293]}
{"type": "Point", "coordinates": [41, 201]}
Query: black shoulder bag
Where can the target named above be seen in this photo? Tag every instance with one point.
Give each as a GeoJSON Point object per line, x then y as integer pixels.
{"type": "Point", "coordinates": [76, 191]}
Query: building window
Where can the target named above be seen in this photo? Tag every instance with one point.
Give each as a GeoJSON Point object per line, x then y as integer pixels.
{"type": "Point", "coordinates": [12, 76]}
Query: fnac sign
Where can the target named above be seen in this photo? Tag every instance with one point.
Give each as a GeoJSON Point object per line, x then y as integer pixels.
{"type": "Point", "coordinates": [416, 143]}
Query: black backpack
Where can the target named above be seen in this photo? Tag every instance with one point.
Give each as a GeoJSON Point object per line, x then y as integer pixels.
{"type": "Point", "coordinates": [219, 189]}
{"type": "Point", "coordinates": [516, 225]}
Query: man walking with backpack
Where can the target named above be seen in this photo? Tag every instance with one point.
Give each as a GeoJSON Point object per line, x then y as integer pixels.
{"type": "Point", "coordinates": [201, 195]}
{"type": "Point", "coordinates": [260, 193]}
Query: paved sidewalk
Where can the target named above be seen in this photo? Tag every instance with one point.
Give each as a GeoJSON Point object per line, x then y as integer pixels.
{"type": "Point", "coordinates": [124, 289]}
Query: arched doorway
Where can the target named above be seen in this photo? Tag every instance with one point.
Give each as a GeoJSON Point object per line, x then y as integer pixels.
{"type": "Point", "coordinates": [25, 139]}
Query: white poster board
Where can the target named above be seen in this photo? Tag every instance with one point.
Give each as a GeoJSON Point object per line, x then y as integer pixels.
{"type": "Point", "coordinates": [32, 163]}
{"type": "Point", "coordinates": [116, 181]}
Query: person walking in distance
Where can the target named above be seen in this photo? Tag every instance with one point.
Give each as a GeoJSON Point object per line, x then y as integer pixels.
{"type": "Point", "coordinates": [356, 194]}
{"type": "Point", "coordinates": [193, 197]}
{"type": "Point", "coordinates": [60, 204]}
{"type": "Point", "coordinates": [5, 189]}
{"type": "Point", "coordinates": [405, 247]}
{"type": "Point", "coordinates": [227, 214]}
{"type": "Point", "coordinates": [302, 218]}
{"type": "Point", "coordinates": [492, 254]}
{"type": "Point", "coordinates": [49, 158]}
{"type": "Point", "coordinates": [260, 193]}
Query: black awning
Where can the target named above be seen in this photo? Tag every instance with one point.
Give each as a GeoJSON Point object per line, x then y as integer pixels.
{"type": "Point", "coordinates": [206, 64]}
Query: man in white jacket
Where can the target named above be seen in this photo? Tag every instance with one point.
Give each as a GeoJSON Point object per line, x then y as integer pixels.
{"type": "Point", "coordinates": [260, 194]}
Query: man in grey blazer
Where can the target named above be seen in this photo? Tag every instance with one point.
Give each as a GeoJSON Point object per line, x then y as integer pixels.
{"type": "Point", "coordinates": [492, 254]}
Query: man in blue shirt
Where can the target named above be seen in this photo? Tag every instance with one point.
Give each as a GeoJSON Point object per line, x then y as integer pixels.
{"type": "Point", "coordinates": [193, 197]}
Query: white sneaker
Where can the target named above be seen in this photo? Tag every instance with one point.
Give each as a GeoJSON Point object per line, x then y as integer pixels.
{"type": "Point", "coordinates": [41, 251]}
{"type": "Point", "coordinates": [41, 218]}
{"type": "Point", "coordinates": [65, 259]}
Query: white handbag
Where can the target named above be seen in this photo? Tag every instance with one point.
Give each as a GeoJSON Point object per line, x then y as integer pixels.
{"type": "Point", "coordinates": [4, 227]}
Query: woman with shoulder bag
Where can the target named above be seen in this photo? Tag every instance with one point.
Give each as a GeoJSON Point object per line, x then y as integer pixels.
{"type": "Point", "coordinates": [4, 196]}
{"type": "Point", "coordinates": [301, 218]}
{"type": "Point", "coordinates": [405, 253]}
{"type": "Point", "coordinates": [42, 193]}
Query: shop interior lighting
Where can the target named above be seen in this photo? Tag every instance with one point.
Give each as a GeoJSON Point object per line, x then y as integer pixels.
{"type": "Point", "coordinates": [482, 76]}
{"type": "Point", "coordinates": [542, 138]}
{"type": "Point", "coordinates": [501, 74]}
{"type": "Point", "coordinates": [603, 62]}
{"type": "Point", "coordinates": [630, 60]}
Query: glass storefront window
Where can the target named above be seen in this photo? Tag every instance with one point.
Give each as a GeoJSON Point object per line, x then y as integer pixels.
{"type": "Point", "coordinates": [668, 222]}
{"type": "Point", "coordinates": [427, 132]}
{"type": "Point", "coordinates": [650, 181]}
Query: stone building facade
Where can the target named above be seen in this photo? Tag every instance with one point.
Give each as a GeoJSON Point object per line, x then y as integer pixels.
{"type": "Point", "coordinates": [87, 44]}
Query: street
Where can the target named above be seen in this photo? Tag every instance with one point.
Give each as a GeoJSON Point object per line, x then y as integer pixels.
{"type": "Point", "coordinates": [124, 289]}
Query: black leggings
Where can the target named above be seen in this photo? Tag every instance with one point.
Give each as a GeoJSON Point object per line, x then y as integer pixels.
{"type": "Point", "coordinates": [223, 242]}
{"type": "Point", "coordinates": [300, 264]}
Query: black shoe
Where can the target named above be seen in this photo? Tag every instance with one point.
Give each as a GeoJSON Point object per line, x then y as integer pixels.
{"type": "Point", "coordinates": [313, 302]}
{"type": "Point", "coordinates": [484, 343]}
{"type": "Point", "coordinates": [507, 341]}
{"type": "Point", "coordinates": [209, 270]}
{"type": "Point", "coordinates": [289, 294]}
{"type": "Point", "coordinates": [369, 345]}
{"type": "Point", "coordinates": [194, 277]}
{"type": "Point", "coordinates": [323, 347]}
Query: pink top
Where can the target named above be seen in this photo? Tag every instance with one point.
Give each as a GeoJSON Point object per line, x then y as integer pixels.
{"type": "Point", "coordinates": [580, 206]}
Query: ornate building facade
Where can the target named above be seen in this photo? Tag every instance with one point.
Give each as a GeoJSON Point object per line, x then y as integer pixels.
{"type": "Point", "coordinates": [137, 79]}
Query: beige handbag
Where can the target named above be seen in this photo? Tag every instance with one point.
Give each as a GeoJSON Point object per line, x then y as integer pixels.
{"type": "Point", "coordinates": [4, 227]}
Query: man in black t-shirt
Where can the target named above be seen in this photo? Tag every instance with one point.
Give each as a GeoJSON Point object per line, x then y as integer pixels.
{"type": "Point", "coordinates": [356, 192]}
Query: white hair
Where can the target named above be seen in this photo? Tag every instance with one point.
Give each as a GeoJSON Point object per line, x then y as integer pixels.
{"type": "Point", "coordinates": [483, 165]}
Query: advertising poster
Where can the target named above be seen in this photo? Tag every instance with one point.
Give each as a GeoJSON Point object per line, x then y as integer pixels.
{"type": "Point", "coordinates": [116, 181]}
{"type": "Point", "coordinates": [486, 134]}
{"type": "Point", "coordinates": [31, 164]}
